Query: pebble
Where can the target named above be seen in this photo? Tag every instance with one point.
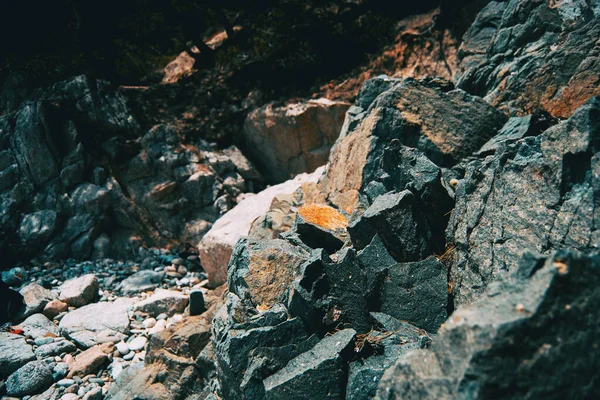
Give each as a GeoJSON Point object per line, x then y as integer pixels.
{"type": "Point", "coordinates": [129, 356]}
{"type": "Point", "coordinates": [98, 381]}
{"type": "Point", "coordinates": [65, 383]}
{"type": "Point", "coordinates": [138, 343]}
{"type": "Point", "coordinates": [149, 323]}
{"type": "Point", "coordinates": [161, 316]}
{"type": "Point", "coordinates": [43, 340]}
{"type": "Point", "coordinates": [123, 348]}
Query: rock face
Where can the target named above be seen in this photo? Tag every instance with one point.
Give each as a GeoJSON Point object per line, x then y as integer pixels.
{"type": "Point", "coordinates": [539, 193]}
{"type": "Point", "coordinates": [286, 141]}
{"type": "Point", "coordinates": [526, 55]}
{"type": "Point", "coordinates": [545, 313]}
{"type": "Point", "coordinates": [445, 124]}
{"type": "Point", "coordinates": [216, 246]}
{"type": "Point", "coordinates": [78, 177]}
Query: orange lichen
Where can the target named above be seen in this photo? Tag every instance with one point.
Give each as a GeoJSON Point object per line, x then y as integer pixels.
{"type": "Point", "coordinates": [324, 216]}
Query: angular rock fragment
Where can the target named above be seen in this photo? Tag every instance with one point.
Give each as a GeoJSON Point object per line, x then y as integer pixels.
{"type": "Point", "coordinates": [36, 297]}
{"type": "Point", "coordinates": [80, 291]}
{"type": "Point", "coordinates": [318, 373]}
{"type": "Point", "coordinates": [394, 218]}
{"type": "Point", "coordinates": [90, 360]}
{"type": "Point", "coordinates": [545, 315]}
{"type": "Point", "coordinates": [320, 226]}
{"type": "Point", "coordinates": [261, 271]}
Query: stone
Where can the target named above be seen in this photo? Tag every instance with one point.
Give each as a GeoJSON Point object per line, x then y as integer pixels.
{"type": "Point", "coordinates": [14, 276]}
{"type": "Point", "coordinates": [320, 226]}
{"type": "Point", "coordinates": [141, 281]}
{"type": "Point", "coordinates": [137, 344]}
{"type": "Point", "coordinates": [31, 378]}
{"type": "Point", "coordinates": [36, 297]}
{"type": "Point", "coordinates": [94, 394]}
{"type": "Point", "coordinates": [97, 323]}
{"type": "Point", "coordinates": [474, 353]}
{"type": "Point", "coordinates": [536, 194]}
{"type": "Point", "coordinates": [36, 228]}
{"type": "Point", "coordinates": [163, 301]}
{"type": "Point", "coordinates": [296, 138]}
{"type": "Point", "coordinates": [14, 353]}
{"type": "Point", "coordinates": [123, 348]}
{"type": "Point", "coordinates": [318, 373]}
{"type": "Point", "coordinates": [54, 307]}
{"type": "Point", "coordinates": [197, 305]}
{"type": "Point", "coordinates": [79, 292]}
{"type": "Point", "coordinates": [89, 361]}
{"type": "Point", "coordinates": [416, 292]}
{"type": "Point", "coordinates": [55, 348]}
{"type": "Point", "coordinates": [394, 218]}
{"type": "Point", "coordinates": [445, 125]}
{"type": "Point", "coordinates": [261, 271]}
{"type": "Point", "coordinates": [513, 51]}
{"type": "Point", "coordinates": [38, 326]}
{"type": "Point", "coordinates": [217, 245]}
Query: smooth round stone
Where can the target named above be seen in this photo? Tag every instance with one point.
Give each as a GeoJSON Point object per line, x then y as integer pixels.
{"type": "Point", "coordinates": [43, 340]}
{"type": "Point", "coordinates": [129, 356]}
{"type": "Point", "coordinates": [138, 343]}
{"type": "Point", "coordinates": [178, 261]}
{"type": "Point", "coordinates": [177, 318]}
{"type": "Point", "coordinates": [123, 348]}
{"type": "Point", "coordinates": [149, 323]}
{"type": "Point", "coordinates": [161, 316]}
{"type": "Point", "coordinates": [97, 381]}
{"type": "Point", "coordinates": [65, 383]}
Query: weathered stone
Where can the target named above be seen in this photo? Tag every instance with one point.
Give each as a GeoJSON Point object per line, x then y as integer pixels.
{"type": "Point", "coordinates": [97, 323]}
{"type": "Point", "coordinates": [163, 301]}
{"type": "Point", "coordinates": [394, 218]}
{"type": "Point", "coordinates": [539, 193]}
{"type": "Point", "coordinates": [38, 326]}
{"type": "Point", "coordinates": [320, 226]}
{"type": "Point", "coordinates": [31, 378]}
{"type": "Point", "coordinates": [217, 245]}
{"type": "Point", "coordinates": [197, 305]}
{"type": "Point", "coordinates": [90, 360]}
{"type": "Point", "coordinates": [79, 292]}
{"type": "Point", "coordinates": [514, 342]}
{"type": "Point", "coordinates": [261, 271]}
{"type": "Point", "coordinates": [318, 373]}
{"type": "Point", "coordinates": [141, 281]}
{"type": "Point", "coordinates": [36, 298]}
{"type": "Point", "coordinates": [14, 353]}
{"type": "Point", "coordinates": [527, 55]}
{"type": "Point", "coordinates": [137, 344]}
{"type": "Point", "coordinates": [55, 348]}
{"type": "Point", "coordinates": [54, 307]}
{"type": "Point", "coordinates": [285, 141]}
{"type": "Point", "coordinates": [444, 124]}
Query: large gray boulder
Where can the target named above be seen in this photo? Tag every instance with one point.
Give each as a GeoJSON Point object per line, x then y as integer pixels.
{"type": "Point", "coordinates": [14, 353]}
{"type": "Point", "coordinates": [539, 193]}
{"type": "Point", "coordinates": [32, 378]}
{"type": "Point", "coordinates": [530, 336]}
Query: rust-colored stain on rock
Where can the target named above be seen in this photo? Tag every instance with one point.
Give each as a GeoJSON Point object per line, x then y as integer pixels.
{"type": "Point", "coordinates": [324, 216]}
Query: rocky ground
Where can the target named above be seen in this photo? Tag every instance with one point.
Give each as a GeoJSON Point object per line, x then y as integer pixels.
{"type": "Point", "coordinates": [448, 249]}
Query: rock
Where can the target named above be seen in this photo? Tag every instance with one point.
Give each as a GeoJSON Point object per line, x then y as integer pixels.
{"type": "Point", "coordinates": [394, 218]}
{"type": "Point", "coordinates": [197, 305]}
{"type": "Point", "coordinates": [515, 50]}
{"type": "Point", "coordinates": [79, 292]}
{"type": "Point", "coordinates": [285, 141]}
{"type": "Point", "coordinates": [36, 228]}
{"type": "Point", "coordinates": [141, 281]}
{"type": "Point", "coordinates": [55, 348]}
{"type": "Point", "coordinates": [97, 323]}
{"type": "Point", "coordinates": [474, 353]}
{"type": "Point", "coordinates": [163, 301]}
{"type": "Point", "coordinates": [90, 360]}
{"type": "Point", "coordinates": [36, 298]}
{"type": "Point", "coordinates": [137, 344]}
{"type": "Point", "coordinates": [261, 271]}
{"type": "Point", "coordinates": [416, 292]}
{"type": "Point", "coordinates": [446, 125]}
{"type": "Point", "coordinates": [14, 276]}
{"type": "Point", "coordinates": [94, 394]}
{"type": "Point", "coordinates": [123, 348]}
{"type": "Point", "coordinates": [54, 307]}
{"type": "Point", "coordinates": [38, 326]}
{"type": "Point", "coordinates": [318, 373]}
{"type": "Point", "coordinates": [31, 378]}
{"type": "Point", "coordinates": [216, 246]}
{"type": "Point", "coordinates": [497, 217]}
{"type": "Point", "coordinates": [320, 226]}
{"type": "Point", "coordinates": [14, 353]}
